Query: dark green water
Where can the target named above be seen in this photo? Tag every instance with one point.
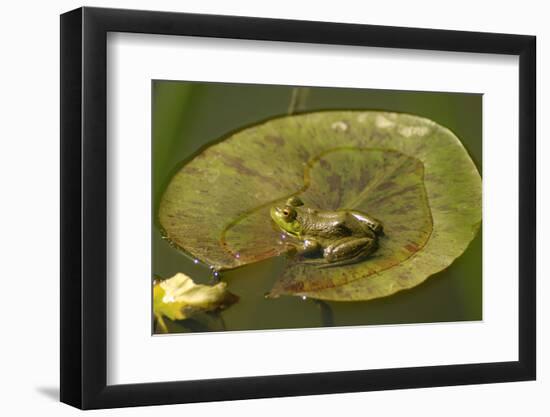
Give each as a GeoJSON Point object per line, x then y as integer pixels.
{"type": "Point", "coordinates": [188, 116]}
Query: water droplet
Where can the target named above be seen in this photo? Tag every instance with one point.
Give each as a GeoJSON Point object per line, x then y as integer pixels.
{"type": "Point", "coordinates": [195, 261]}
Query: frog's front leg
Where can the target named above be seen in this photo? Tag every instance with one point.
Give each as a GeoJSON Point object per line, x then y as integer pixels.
{"type": "Point", "coordinates": [350, 249]}
{"type": "Point", "coordinates": [307, 247]}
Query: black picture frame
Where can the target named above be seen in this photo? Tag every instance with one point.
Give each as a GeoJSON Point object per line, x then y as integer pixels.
{"type": "Point", "coordinates": [84, 207]}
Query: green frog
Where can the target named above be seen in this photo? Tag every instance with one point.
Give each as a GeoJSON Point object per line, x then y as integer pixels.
{"type": "Point", "coordinates": [328, 237]}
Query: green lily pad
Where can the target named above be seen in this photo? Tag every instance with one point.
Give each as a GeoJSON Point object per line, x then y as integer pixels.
{"type": "Point", "coordinates": [409, 172]}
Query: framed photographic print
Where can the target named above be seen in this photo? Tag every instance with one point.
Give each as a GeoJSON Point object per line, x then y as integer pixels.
{"type": "Point", "coordinates": [258, 208]}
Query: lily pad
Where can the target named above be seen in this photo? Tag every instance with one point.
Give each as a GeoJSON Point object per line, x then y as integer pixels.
{"type": "Point", "coordinates": [409, 172]}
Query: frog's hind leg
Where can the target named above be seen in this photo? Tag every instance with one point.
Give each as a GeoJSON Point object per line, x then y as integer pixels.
{"type": "Point", "coordinates": [349, 250]}
{"type": "Point", "coordinates": [368, 223]}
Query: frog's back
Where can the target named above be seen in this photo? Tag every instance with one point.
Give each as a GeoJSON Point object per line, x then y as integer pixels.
{"type": "Point", "coordinates": [324, 224]}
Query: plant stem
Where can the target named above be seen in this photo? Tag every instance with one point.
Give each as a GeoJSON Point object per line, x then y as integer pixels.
{"type": "Point", "coordinates": [298, 98]}
{"type": "Point", "coordinates": [327, 316]}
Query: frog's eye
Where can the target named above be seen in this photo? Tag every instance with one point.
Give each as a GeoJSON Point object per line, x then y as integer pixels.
{"type": "Point", "coordinates": [289, 213]}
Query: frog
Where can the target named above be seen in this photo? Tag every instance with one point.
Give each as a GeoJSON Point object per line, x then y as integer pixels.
{"type": "Point", "coordinates": [327, 237]}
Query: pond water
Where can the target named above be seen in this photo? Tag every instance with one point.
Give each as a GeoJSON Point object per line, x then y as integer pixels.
{"type": "Point", "coordinates": [189, 116]}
